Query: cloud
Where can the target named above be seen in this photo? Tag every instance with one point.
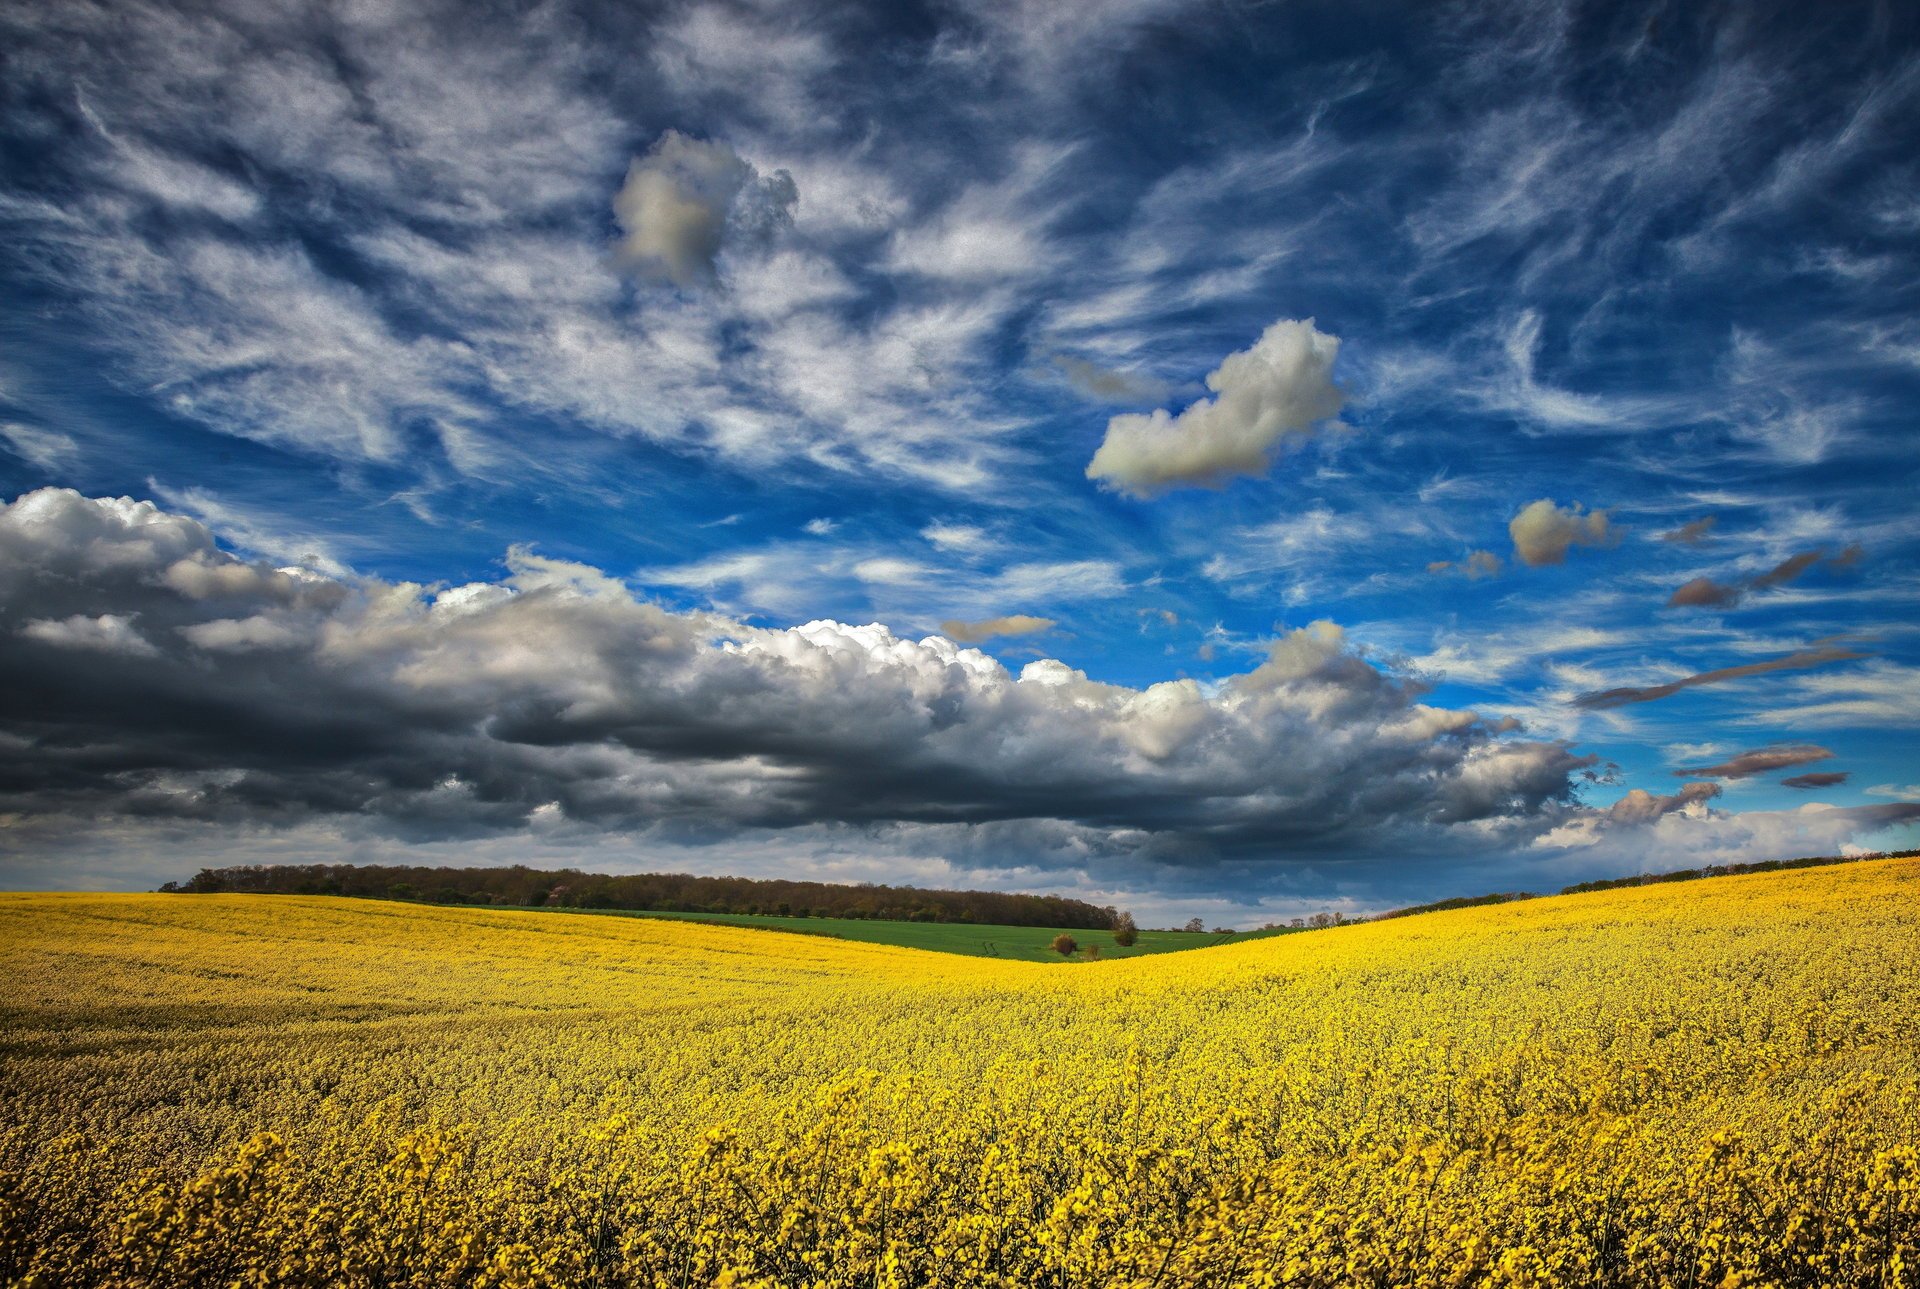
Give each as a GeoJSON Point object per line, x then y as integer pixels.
{"type": "Point", "coordinates": [1639, 806]}
{"type": "Point", "coordinates": [107, 633]}
{"type": "Point", "coordinates": [1477, 565]}
{"type": "Point", "coordinates": [957, 537]}
{"type": "Point", "coordinates": [1609, 698]}
{"type": "Point", "coordinates": [1542, 532]}
{"type": "Point", "coordinates": [1895, 790]}
{"type": "Point", "coordinates": [1017, 624]}
{"type": "Point", "coordinates": [286, 696]}
{"type": "Point", "coordinates": [1108, 386]}
{"type": "Point", "coordinates": [1826, 779]}
{"type": "Point", "coordinates": [1691, 533]}
{"type": "Point", "coordinates": [678, 201]}
{"type": "Point", "coordinates": [1705, 593]}
{"type": "Point", "coordinates": [1761, 761]}
{"type": "Point", "coordinates": [47, 449]}
{"type": "Point", "coordinates": [1266, 396]}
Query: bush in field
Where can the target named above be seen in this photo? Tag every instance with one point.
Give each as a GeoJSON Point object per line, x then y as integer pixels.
{"type": "Point", "coordinates": [1125, 933]}
{"type": "Point", "coordinates": [1065, 945]}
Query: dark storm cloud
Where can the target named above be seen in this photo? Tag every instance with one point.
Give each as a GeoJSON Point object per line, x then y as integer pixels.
{"type": "Point", "coordinates": [1760, 761]}
{"type": "Point", "coordinates": [1801, 660]}
{"type": "Point", "coordinates": [156, 675]}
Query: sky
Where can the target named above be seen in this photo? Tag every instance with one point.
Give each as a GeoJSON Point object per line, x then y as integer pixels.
{"type": "Point", "coordinates": [1217, 459]}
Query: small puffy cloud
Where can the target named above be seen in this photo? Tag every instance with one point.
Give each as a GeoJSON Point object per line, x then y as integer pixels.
{"type": "Point", "coordinates": [1601, 700]}
{"type": "Point", "coordinates": [1543, 532]}
{"type": "Point", "coordinates": [1264, 397]}
{"type": "Point", "coordinates": [1898, 791]}
{"type": "Point", "coordinates": [680, 200]}
{"type": "Point", "coordinates": [1760, 761]}
{"type": "Point", "coordinates": [1015, 624]}
{"type": "Point", "coordinates": [820, 527]}
{"type": "Point", "coordinates": [107, 633]}
{"type": "Point", "coordinates": [1821, 779]}
{"type": "Point", "coordinates": [1691, 533]}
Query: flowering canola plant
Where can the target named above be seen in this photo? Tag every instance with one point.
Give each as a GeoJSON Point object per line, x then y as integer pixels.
{"type": "Point", "coordinates": [1713, 1083]}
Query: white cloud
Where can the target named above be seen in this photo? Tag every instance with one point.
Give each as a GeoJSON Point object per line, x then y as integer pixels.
{"type": "Point", "coordinates": [47, 449]}
{"type": "Point", "coordinates": [233, 634]}
{"type": "Point", "coordinates": [107, 633]}
{"type": "Point", "coordinates": [1265, 396]}
{"type": "Point", "coordinates": [957, 537]}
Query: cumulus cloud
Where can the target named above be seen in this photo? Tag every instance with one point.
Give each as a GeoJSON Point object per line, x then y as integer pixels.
{"type": "Point", "coordinates": [1264, 397]}
{"type": "Point", "coordinates": [679, 201]}
{"type": "Point", "coordinates": [1705, 593]}
{"type": "Point", "coordinates": [1760, 761]}
{"type": "Point", "coordinates": [1600, 700]}
{"type": "Point", "coordinates": [1016, 624]}
{"type": "Point", "coordinates": [1542, 532]}
{"type": "Point", "coordinates": [282, 696]}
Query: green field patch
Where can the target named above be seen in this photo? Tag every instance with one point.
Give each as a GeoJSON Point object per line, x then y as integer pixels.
{"type": "Point", "coordinates": [1017, 943]}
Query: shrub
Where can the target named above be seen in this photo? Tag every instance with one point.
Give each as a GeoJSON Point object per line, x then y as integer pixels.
{"type": "Point", "coordinates": [1065, 945]}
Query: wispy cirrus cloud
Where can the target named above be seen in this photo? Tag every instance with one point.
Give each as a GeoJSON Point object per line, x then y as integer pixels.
{"type": "Point", "coordinates": [1601, 700]}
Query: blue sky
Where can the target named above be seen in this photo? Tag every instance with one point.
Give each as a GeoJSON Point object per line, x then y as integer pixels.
{"type": "Point", "coordinates": [1306, 410]}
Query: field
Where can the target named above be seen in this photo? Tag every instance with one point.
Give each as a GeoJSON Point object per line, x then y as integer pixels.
{"type": "Point", "coordinates": [1700, 1084]}
{"type": "Point", "coordinates": [1016, 943]}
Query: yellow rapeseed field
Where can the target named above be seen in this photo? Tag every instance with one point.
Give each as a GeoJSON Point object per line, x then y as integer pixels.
{"type": "Point", "coordinates": [1702, 1084]}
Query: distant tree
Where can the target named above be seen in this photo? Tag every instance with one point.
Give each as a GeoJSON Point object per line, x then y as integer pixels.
{"type": "Point", "coordinates": [1065, 945]}
{"type": "Point", "coordinates": [1125, 933]}
{"type": "Point", "coordinates": [169, 888]}
{"type": "Point", "coordinates": [1194, 926]}
{"type": "Point", "coordinates": [1225, 930]}
{"type": "Point", "coordinates": [1093, 951]}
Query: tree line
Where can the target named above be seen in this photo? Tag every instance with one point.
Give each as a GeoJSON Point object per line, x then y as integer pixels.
{"type": "Point", "coordinates": [651, 892]}
{"type": "Point", "coordinates": [1646, 879]}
